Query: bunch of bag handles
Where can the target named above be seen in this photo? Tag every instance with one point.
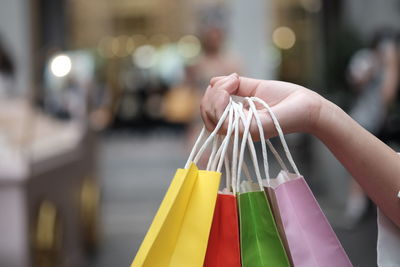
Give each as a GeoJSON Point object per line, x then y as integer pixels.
{"type": "Point", "coordinates": [234, 112]}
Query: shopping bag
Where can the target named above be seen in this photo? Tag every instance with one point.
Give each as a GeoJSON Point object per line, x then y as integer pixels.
{"type": "Point", "coordinates": [223, 248]}
{"type": "Point", "coordinates": [388, 242]}
{"type": "Point", "coordinates": [304, 223]}
{"type": "Point", "coordinates": [260, 242]}
{"type": "Point", "coordinates": [309, 236]}
{"type": "Point", "coordinates": [223, 245]}
{"type": "Point", "coordinates": [178, 235]}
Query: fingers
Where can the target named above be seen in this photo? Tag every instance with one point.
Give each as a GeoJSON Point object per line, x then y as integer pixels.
{"type": "Point", "coordinates": [218, 93]}
{"type": "Point", "coordinates": [218, 78]}
{"type": "Point", "coordinates": [217, 105]}
{"type": "Point", "coordinates": [212, 106]}
{"type": "Point", "coordinates": [286, 103]}
{"type": "Point", "coordinates": [215, 100]}
{"type": "Point", "coordinates": [227, 83]}
{"type": "Point", "coordinates": [246, 87]}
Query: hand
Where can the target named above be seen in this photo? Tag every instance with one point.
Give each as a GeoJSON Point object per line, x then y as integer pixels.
{"type": "Point", "coordinates": [301, 110]}
{"type": "Point", "coordinates": [296, 108]}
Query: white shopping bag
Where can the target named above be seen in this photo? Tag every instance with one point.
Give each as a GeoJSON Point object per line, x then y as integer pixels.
{"type": "Point", "coordinates": [388, 245]}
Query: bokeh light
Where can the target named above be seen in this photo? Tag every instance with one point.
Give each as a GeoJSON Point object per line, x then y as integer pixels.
{"type": "Point", "coordinates": [189, 46]}
{"type": "Point", "coordinates": [145, 57]}
{"type": "Point", "coordinates": [60, 65]}
{"type": "Point", "coordinates": [284, 37]}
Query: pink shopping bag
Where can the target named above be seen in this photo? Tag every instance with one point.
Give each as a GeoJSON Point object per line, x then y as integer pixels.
{"type": "Point", "coordinates": [310, 239]}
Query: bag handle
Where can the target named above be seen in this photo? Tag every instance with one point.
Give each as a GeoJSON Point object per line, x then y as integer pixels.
{"type": "Point", "coordinates": [280, 133]}
{"type": "Point", "coordinates": [228, 176]}
{"type": "Point", "coordinates": [235, 150]}
{"type": "Point", "coordinates": [213, 152]}
{"type": "Point", "coordinates": [219, 156]}
{"type": "Point", "coordinates": [209, 138]}
{"type": "Point", "coordinates": [247, 138]}
{"type": "Point", "coordinates": [262, 136]}
{"type": "Point", "coordinates": [263, 141]}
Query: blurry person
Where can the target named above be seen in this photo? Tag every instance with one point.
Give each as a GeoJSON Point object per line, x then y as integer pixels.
{"type": "Point", "coordinates": [374, 74]}
{"type": "Point", "coordinates": [214, 60]}
{"type": "Point", "coordinates": [6, 73]}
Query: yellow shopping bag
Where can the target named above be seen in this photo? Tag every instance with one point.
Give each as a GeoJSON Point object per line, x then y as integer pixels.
{"type": "Point", "coordinates": [179, 233]}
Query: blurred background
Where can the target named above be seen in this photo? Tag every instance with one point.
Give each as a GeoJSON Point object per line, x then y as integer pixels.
{"type": "Point", "coordinates": [99, 105]}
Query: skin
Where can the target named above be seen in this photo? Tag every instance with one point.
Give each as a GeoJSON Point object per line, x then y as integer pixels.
{"type": "Point", "coordinates": [374, 165]}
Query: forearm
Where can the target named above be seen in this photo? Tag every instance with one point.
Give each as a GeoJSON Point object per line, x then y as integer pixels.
{"type": "Point", "coordinates": [374, 165]}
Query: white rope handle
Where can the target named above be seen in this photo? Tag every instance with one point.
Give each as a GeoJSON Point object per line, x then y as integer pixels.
{"type": "Point", "coordinates": [247, 138]}
{"type": "Point", "coordinates": [220, 154]}
{"type": "Point", "coordinates": [227, 173]}
{"type": "Point", "coordinates": [236, 144]}
{"type": "Point", "coordinates": [235, 149]}
{"type": "Point", "coordinates": [263, 147]}
{"type": "Point", "coordinates": [196, 144]}
{"type": "Point", "coordinates": [209, 139]}
{"type": "Point", "coordinates": [280, 133]}
{"type": "Point", "coordinates": [263, 141]}
{"type": "Point", "coordinates": [262, 137]}
{"type": "Point", "coordinates": [214, 132]}
{"type": "Point", "coordinates": [213, 152]}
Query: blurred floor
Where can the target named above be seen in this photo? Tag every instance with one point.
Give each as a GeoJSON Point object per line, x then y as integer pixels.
{"type": "Point", "coordinates": [136, 171]}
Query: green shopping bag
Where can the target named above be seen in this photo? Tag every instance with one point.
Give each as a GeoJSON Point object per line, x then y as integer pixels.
{"type": "Point", "coordinates": [261, 244]}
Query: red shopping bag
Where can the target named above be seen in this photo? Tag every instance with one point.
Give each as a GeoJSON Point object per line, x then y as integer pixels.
{"type": "Point", "coordinates": [223, 244]}
{"type": "Point", "coordinates": [223, 248]}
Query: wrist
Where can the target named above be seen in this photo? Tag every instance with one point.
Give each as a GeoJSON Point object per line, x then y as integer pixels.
{"type": "Point", "coordinates": [326, 118]}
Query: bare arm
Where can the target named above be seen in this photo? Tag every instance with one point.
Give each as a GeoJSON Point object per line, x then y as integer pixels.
{"type": "Point", "coordinates": [374, 165]}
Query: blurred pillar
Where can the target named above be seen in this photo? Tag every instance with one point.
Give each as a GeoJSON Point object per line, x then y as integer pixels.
{"type": "Point", "coordinates": [51, 35]}
{"type": "Point", "coordinates": [52, 25]}
{"type": "Point", "coordinates": [249, 35]}
{"type": "Point", "coordinates": [15, 33]}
